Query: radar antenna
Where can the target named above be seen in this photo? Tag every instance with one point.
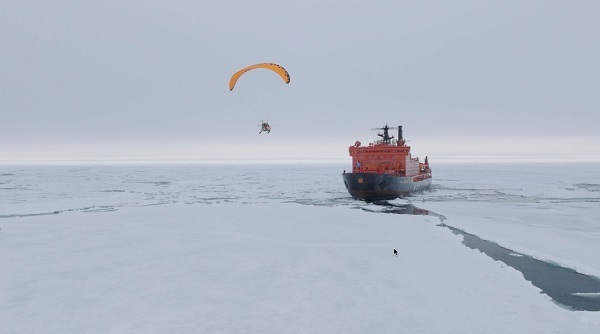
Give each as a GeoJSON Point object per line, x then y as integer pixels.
{"type": "Point", "coordinates": [385, 137]}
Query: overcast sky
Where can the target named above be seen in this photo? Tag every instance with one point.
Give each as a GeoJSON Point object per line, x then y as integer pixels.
{"type": "Point", "coordinates": [149, 79]}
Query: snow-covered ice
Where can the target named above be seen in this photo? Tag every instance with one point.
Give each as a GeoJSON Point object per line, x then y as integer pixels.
{"type": "Point", "coordinates": [549, 211]}
{"type": "Point", "coordinates": [283, 249]}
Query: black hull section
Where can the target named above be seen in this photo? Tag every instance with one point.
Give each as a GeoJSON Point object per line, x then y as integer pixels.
{"type": "Point", "coordinates": [373, 186]}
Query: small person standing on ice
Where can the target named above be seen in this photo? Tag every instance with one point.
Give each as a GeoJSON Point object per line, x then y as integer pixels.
{"type": "Point", "coordinates": [395, 252]}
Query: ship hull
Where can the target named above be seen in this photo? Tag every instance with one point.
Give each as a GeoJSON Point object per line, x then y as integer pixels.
{"type": "Point", "coordinates": [373, 186]}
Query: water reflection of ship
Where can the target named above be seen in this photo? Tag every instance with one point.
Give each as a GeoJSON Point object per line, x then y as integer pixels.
{"type": "Point", "coordinates": [422, 212]}
{"type": "Point", "coordinates": [405, 209]}
{"type": "Point", "coordinates": [385, 169]}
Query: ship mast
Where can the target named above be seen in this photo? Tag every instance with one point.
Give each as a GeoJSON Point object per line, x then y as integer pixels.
{"type": "Point", "coordinates": [385, 137]}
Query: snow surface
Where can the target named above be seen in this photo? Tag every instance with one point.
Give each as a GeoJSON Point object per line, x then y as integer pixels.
{"type": "Point", "coordinates": [283, 249]}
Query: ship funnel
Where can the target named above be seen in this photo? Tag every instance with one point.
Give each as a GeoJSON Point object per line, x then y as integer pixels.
{"type": "Point", "coordinates": [400, 138]}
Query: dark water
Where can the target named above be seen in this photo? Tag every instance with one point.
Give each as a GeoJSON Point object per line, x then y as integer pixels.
{"type": "Point", "coordinates": [565, 286]}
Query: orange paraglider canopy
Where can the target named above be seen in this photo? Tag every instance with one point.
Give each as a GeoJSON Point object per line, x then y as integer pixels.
{"type": "Point", "coordinates": [269, 66]}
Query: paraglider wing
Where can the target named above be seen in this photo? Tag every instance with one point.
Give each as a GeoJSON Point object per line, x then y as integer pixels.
{"type": "Point", "coordinates": [269, 66]}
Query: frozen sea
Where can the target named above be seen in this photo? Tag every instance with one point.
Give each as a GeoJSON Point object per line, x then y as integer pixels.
{"type": "Point", "coordinates": [282, 248]}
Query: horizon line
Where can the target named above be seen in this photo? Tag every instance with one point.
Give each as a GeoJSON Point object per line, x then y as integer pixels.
{"type": "Point", "coordinates": [307, 160]}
